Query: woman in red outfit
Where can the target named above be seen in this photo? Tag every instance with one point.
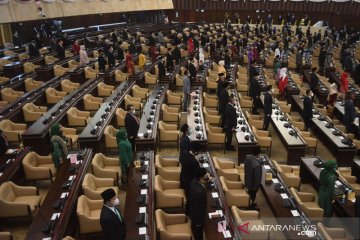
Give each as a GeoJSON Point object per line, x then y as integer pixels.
{"type": "Point", "coordinates": [283, 80]}
{"type": "Point", "coordinates": [344, 88]}
{"type": "Point", "coordinates": [130, 65]}
{"type": "Point", "coordinates": [76, 47]}
{"type": "Point", "coordinates": [190, 46]}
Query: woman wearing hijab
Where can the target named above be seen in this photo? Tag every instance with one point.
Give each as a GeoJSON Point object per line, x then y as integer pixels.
{"type": "Point", "coordinates": [283, 80]}
{"type": "Point", "coordinates": [331, 98]}
{"type": "Point", "coordinates": [125, 154]}
{"type": "Point", "coordinates": [328, 177]}
{"type": "Point", "coordinates": [84, 59]}
{"type": "Point", "coordinates": [130, 65]}
{"type": "Point", "coordinates": [142, 60]}
{"type": "Point", "coordinates": [59, 149]}
{"type": "Point", "coordinates": [344, 88]}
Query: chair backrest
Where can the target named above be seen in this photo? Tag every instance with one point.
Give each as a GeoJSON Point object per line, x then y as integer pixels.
{"type": "Point", "coordinates": [158, 183]}
{"type": "Point", "coordinates": [7, 192]}
{"type": "Point", "coordinates": [89, 182]}
{"type": "Point", "coordinates": [295, 195]}
{"type": "Point", "coordinates": [98, 160]}
{"type": "Point", "coordinates": [83, 206]}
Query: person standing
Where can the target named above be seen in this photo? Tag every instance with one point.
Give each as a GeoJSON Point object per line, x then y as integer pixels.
{"type": "Point", "coordinates": [230, 123]}
{"type": "Point", "coordinates": [142, 60]}
{"type": "Point", "coordinates": [350, 115]}
{"type": "Point", "coordinates": [4, 143]}
{"type": "Point", "coordinates": [192, 70]}
{"type": "Point", "coordinates": [308, 107]}
{"type": "Point", "coordinates": [101, 61]}
{"type": "Point", "coordinates": [223, 101]}
{"type": "Point", "coordinates": [186, 90]}
{"type": "Point", "coordinates": [253, 175]}
{"type": "Point", "coordinates": [357, 73]}
{"type": "Point", "coordinates": [60, 50]}
{"type": "Point", "coordinates": [268, 101]}
{"type": "Point", "coordinates": [129, 64]}
{"type": "Point", "coordinates": [84, 59]}
{"type": "Point", "coordinates": [283, 81]}
{"type": "Point", "coordinates": [314, 79]}
{"type": "Point", "coordinates": [111, 219]}
{"type": "Point", "coordinates": [125, 154]}
{"type": "Point", "coordinates": [33, 50]}
{"type": "Point", "coordinates": [59, 149]}
{"type": "Point", "coordinates": [76, 47]}
{"type": "Point", "coordinates": [255, 90]}
{"type": "Point", "coordinates": [328, 177]}
{"type": "Point", "coordinates": [344, 87]}
{"type": "Point", "coordinates": [132, 125]}
{"type": "Point", "coordinates": [220, 85]}
{"type": "Point", "coordinates": [198, 203]}
{"type": "Point", "coordinates": [331, 98]}
{"type": "Point", "coordinates": [185, 141]}
{"type": "Point", "coordinates": [111, 57]}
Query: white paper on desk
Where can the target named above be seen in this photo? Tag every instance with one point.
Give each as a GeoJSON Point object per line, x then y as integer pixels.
{"type": "Point", "coordinates": [64, 194]}
{"type": "Point", "coordinates": [267, 167]}
{"type": "Point", "coordinates": [142, 231]}
{"type": "Point", "coordinates": [356, 121]}
{"type": "Point", "coordinates": [144, 177]}
{"type": "Point", "coordinates": [338, 183]}
{"type": "Point", "coordinates": [142, 209]}
{"type": "Point", "coordinates": [205, 165]}
{"type": "Point", "coordinates": [55, 215]}
{"type": "Point", "coordinates": [295, 213]}
{"type": "Point", "coordinates": [48, 238]}
{"type": "Point", "coordinates": [72, 177]}
{"type": "Point", "coordinates": [275, 180]}
{"type": "Point", "coordinates": [146, 162]}
{"type": "Point", "coordinates": [215, 195]}
{"type": "Point", "coordinates": [10, 151]}
{"type": "Point", "coordinates": [220, 212]}
{"type": "Point", "coordinates": [284, 196]}
{"type": "Point", "coordinates": [227, 234]}
{"type": "Point", "coordinates": [140, 134]}
{"type": "Point", "coordinates": [221, 226]}
{"type": "Point", "coordinates": [143, 191]}
{"type": "Point", "coordinates": [1, 174]}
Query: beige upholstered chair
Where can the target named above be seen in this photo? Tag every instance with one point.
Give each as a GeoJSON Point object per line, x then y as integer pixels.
{"type": "Point", "coordinates": [179, 81]}
{"type": "Point", "coordinates": [170, 114]}
{"type": "Point", "coordinates": [235, 193]}
{"type": "Point", "coordinates": [331, 233]}
{"type": "Point", "coordinates": [172, 226]}
{"type": "Point", "coordinates": [106, 167]}
{"type": "Point", "coordinates": [311, 142]}
{"type": "Point", "coordinates": [308, 204]}
{"type": "Point", "coordinates": [213, 75]}
{"type": "Point", "coordinates": [90, 72]}
{"type": "Point", "coordinates": [255, 120]}
{"type": "Point", "coordinates": [3, 104]}
{"type": "Point", "coordinates": [120, 76]}
{"type": "Point", "coordinates": [242, 88]}
{"type": "Point", "coordinates": [120, 117]}
{"type": "Point", "coordinates": [110, 137]}
{"type": "Point", "coordinates": [18, 201]}
{"type": "Point", "coordinates": [168, 133]}
{"type": "Point", "coordinates": [29, 67]}
{"type": "Point", "coordinates": [78, 118]}
{"type": "Point", "coordinates": [253, 218]}
{"type": "Point", "coordinates": [12, 131]}
{"type": "Point", "coordinates": [289, 174]}
{"type": "Point", "coordinates": [138, 92]}
{"type": "Point", "coordinates": [31, 84]}
{"type": "Point", "coordinates": [173, 98]}
{"type": "Point", "coordinates": [263, 139]}
{"type": "Point", "coordinates": [70, 133]}
{"type": "Point", "coordinates": [94, 186]}
{"type": "Point", "coordinates": [136, 102]}
{"type": "Point", "coordinates": [6, 236]}
{"type": "Point", "coordinates": [245, 102]}
{"type": "Point", "coordinates": [150, 79]}
{"type": "Point", "coordinates": [104, 90]}
{"type": "Point", "coordinates": [4, 62]}
{"type": "Point", "coordinates": [215, 135]}
{"type": "Point", "coordinates": [228, 170]}
{"type": "Point", "coordinates": [88, 212]}
{"type": "Point", "coordinates": [68, 86]}
{"type": "Point", "coordinates": [50, 59]}
{"type": "Point", "coordinates": [32, 112]}
{"type": "Point", "coordinates": [167, 168]}
{"type": "Point", "coordinates": [163, 51]}
{"type": "Point", "coordinates": [9, 95]}
{"type": "Point", "coordinates": [9, 53]}
{"type": "Point", "coordinates": [4, 80]}
{"type": "Point", "coordinates": [53, 96]}
{"type": "Point", "coordinates": [38, 167]}
{"type": "Point", "coordinates": [92, 103]}
{"type": "Point", "coordinates": [43, 51]}
{"type": "Point", "coordinates": [284, 106]}
{"type": "Point", "coordinates": [298, 122]}
{"type": "Point", "coordinates": [60, 70]}
{"type": "Point", "coordinates": [169, 194]}
{"type": "Point", "coordinates": [210, 84]}
{"type": "Point", "coordinates": [73, 64]}
{"type": "Point", "coordinates": [210, 100]}
{"type": "Point", "coordinates": [211, 116]}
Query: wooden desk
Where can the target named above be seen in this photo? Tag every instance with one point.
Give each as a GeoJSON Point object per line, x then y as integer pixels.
{"type": "Point", "coordinates": [200, 79]}
{"type": "Point", "coordinates": [291, 88]}
{"type": "Point", "coordinates": [46, 72]}
{"type": "Point", "coordinates": [195, 117]}
{"type": "Point", "coordinates": [93, 134]}
{"type": "Point", "coordinates": [17, 83]}
{"type": "Point", "coordinates": [37, 135]}
{"type": "Point", "coordinates": [13, 69]}
{"type": "Point", "coordinates": [343, 153]}
{"type": "Point", "coordinates": [13, 166]}
{"type": "Point", "coordinates": [131, 209]}
{"type": "Point", "coordinates": [67, 223]}
{"type": "Point", "coordinates": [151, 111]}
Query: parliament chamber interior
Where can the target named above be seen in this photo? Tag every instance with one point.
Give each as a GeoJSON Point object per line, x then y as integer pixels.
{"type": "Point", "coordinates": [187, 119]}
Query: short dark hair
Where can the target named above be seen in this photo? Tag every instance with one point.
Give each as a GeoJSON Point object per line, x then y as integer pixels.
{"type": "Point", "coordinates": [308, 91]}
{"type": "Point", "coordinates": [128, 108]}
{"type": "Point", "coordinates": [256, 151]}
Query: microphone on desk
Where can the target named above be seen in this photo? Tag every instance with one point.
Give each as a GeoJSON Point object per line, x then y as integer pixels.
{"type": "Point", "coordinates": [93, 130]}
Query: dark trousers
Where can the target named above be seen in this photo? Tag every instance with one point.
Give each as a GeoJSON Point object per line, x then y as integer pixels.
{"type": "Point", "coordinates": [198, 231]}
{"type": "Point", "coordinates": [352, 128]}
{"type": "Point", "coordinates": [229, 134]}
{"type": "Point", "coordinates": [132, 141]}
{"type": "Point", "coordinates": [256, 105]}
{"type": "Point", "coordinates": [307, 122]}
{"type": "Point", "coordinates": [252, 195]}
{"type": "Point", "coordinates": [186, 102]}
{"type": "Point", "coordinates": [266, 122]}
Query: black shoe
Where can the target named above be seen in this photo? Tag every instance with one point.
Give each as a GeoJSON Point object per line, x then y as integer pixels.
{"type": "Point", "coordinates": [230, 149]}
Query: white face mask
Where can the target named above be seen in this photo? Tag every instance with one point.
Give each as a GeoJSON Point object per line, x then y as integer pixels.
{"type": "Point", "coordinates": [272, 90]}
{"type": "Point", "coordinates": [116, 202]}
{"type": "Point", "coordinates": [133, 111]}
{"type": "Point", "coordinates": [311, 94]}
{"type": "Point", "coordinates": [189, 132]}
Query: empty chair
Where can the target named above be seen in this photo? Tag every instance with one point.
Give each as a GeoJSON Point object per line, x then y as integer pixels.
{"type": "Point", "coordinates": [104, 90]}
{"type": "Point", "coordinates": [110, 137]}
{"type": "Point", "coordinates": [172, 226]}
{"type": "Point", "coordinates": [246, 102]}
{"type": "Point", "coordinates": [311, 142]}
{"type": "Point", "coordinates": [167, 168]}
{"type": "Point", "coordinates": [18, 201]}
{"type": "Point", "coordinates": [210, 100]}
{"type": "Point", "coordinates": [78, 118]}
{"type": "Point", "coordinates": [9, 95]}
{"type": "Point", "coordinates": [4, 62]}
{"type": "Point", "coordinates": [72, 137]}
{"type": "Point", "coordinates": [289, 174]}
{"type": "Point", "coordinates": [43, 51]}
{"type": "Point", "coordinates": [139, 92]}
{"type": "Point", "coordinates": [94, 186]}
{"type": "Point", "coordinates": [284, 106]}
{"type": "Point", "coordinates": [38, 167]}
{"type": "Point", "coordinates": [215, 135]}
{"type": "Point", "coordinates": [169, 194]}
{"type": "Point", "coordinates": [228, 170]}
{"type": "Point", "coordinates": [53, 96]}
{"type": "Point", "coordinates": [60, 70]}
{"type": "Point", "coordinates": [211, 116]}
{"type": "Point", "coordinates": [170, 114]}
{"type": "Point", "coordinates": [88, 212]}
{"type": "Point", "coordinates": [211, 84]}
{"type": "Point", "coordinates": [334, 233]}
{"type": "Point", "coordinates": [242, 88]}
{"type": "Point", "coordinates": [120, 76]}
{"type": "Point", "coordinates": [179, 81]}
{"type": "Point", "coordinates": [120, 117]}
{"type": "Point", "coordinates": [9, 53]}
{"type": "Point", "coordinates": [31, 84]}
{"type": "Point", "coordinates": [235, 193]}
{"type": "Point", "coordinates": [73, 64]}
{"type": "Point", "coordinates": [150, 79]}
{"type": "Point", "coordinates": [106, 167]}
{"type": "Point", "coordinates": [12, 131]}
{"type": "Point", "coordinates": [90, 72]}
{"type": "Point", "coordinates": [32, 112]}
{"type": "Point", "coordinates": [136, 102]}
{"type": "Point", "coordinates": [29, 67]}
{"type": "Point", "coordinates": [308, 204]}
{"type": "Point", "coordinates": [298, 122]}
{"type": "Point", "coordinates": [168, 133]}
{"type": "Point", "coordinates": [68, 86]}
{"type": "Point", "coordinates": [263, 139]}
{"type": "Point", "coordinates": [254, 120]}
{"type": "Point", "coordinates": [92, 103]}
{"type": "Point", "coordinates": [4, 80]}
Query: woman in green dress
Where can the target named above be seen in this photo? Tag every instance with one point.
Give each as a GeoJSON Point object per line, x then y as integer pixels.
{"type": "Point", "coordinates": [125, 154]}
{"type": "Point", "coordinates": [328, 177]}
{"type": "Point", "coordinates": [59, 149]}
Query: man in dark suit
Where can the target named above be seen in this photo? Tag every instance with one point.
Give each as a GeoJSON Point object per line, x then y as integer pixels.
{"type": "Point", "coordinates": [350, 115]}
{"type": "Point", "coordinates": [111, 220]}
{"type": "Point", "coordinates": [33, 51]}
{"type": "Point", "coordinates": [198, 203]}
{"type": "Point", "coordinates": [169, 60]}
{"type": "Point", "coordinates": [308, 106]}
{"type": "Point", "coordinates": [132, 125]}
{"type": "Point", "coordinates": [220, 84]}
{"type": "Point", "coordinates": [162, 70]}
{"type": "Point", "coordinates": [192, 70]}
{"type": "Point", "coordinates": [267, 107]}
{"type": "Point", "coordinates": [60, 50]}
{"type": "Point", "coordinates": [111, 57]}
{"type": "Point", "coordinates": [223, 101]}
{"type": "Point", "coordinates": [185, 141]}
{"type": "Point", "coordinates": [230, 122]}
{"type": "Point", "coordinates": [252, 70]}
{"type": "Point", "coordinates": [254, 92]}
{"type": "Point", "coordinates": [253, 175]}
{"type": "Point", "coordinates": [101, 61]}
{"type": "Point", "coordinates": [314, 79]}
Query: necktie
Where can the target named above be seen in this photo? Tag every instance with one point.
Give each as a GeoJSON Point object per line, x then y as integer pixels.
{"type": "Point", "coordinates": [118, 214]}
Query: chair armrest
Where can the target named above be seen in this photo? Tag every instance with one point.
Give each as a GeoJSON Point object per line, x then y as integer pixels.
{"type": "Point", "coordinates": [234, 185]}
{"type": "Point", "coordinates": [262, 133]}
{"type": "Point", "coordinates": [167, 184]}
{"type": "Point", "coordinates": [171, 219]}
{"type": "Point", "coordinates": [226, 164]}
{"type": "Point", "coordinates": [24, 191]}
{"type": "Point", "coordinates": [104, 182]}
{"type": "Point", "coordinates": [111, 161]}
{"type": "Point", "coordinates": [336, 233]}
{"type": "Point", "coordinates": [306, 197]}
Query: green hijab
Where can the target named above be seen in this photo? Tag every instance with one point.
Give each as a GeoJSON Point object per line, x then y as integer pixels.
{"type": "Point", "coordinates": [55, 130]}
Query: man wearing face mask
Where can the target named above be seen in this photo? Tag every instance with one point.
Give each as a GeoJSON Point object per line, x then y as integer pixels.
{"type": "Point", "coordinates": [255, 90]}
{"type": "Point", "coordinates": [230, 122]}
{"type": "Point", "coordinates": [185, 141]}
{"type": "Point", "coordinates": [267, 107]}
{"type": "Point", "coordinates": [111, 220]}
{"type": "Point", "coordinates": [308, 106]}
{"type": "Point", "coordinates": [186, 90]}
{"type": "Point", "coordinates": [132, 125]}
